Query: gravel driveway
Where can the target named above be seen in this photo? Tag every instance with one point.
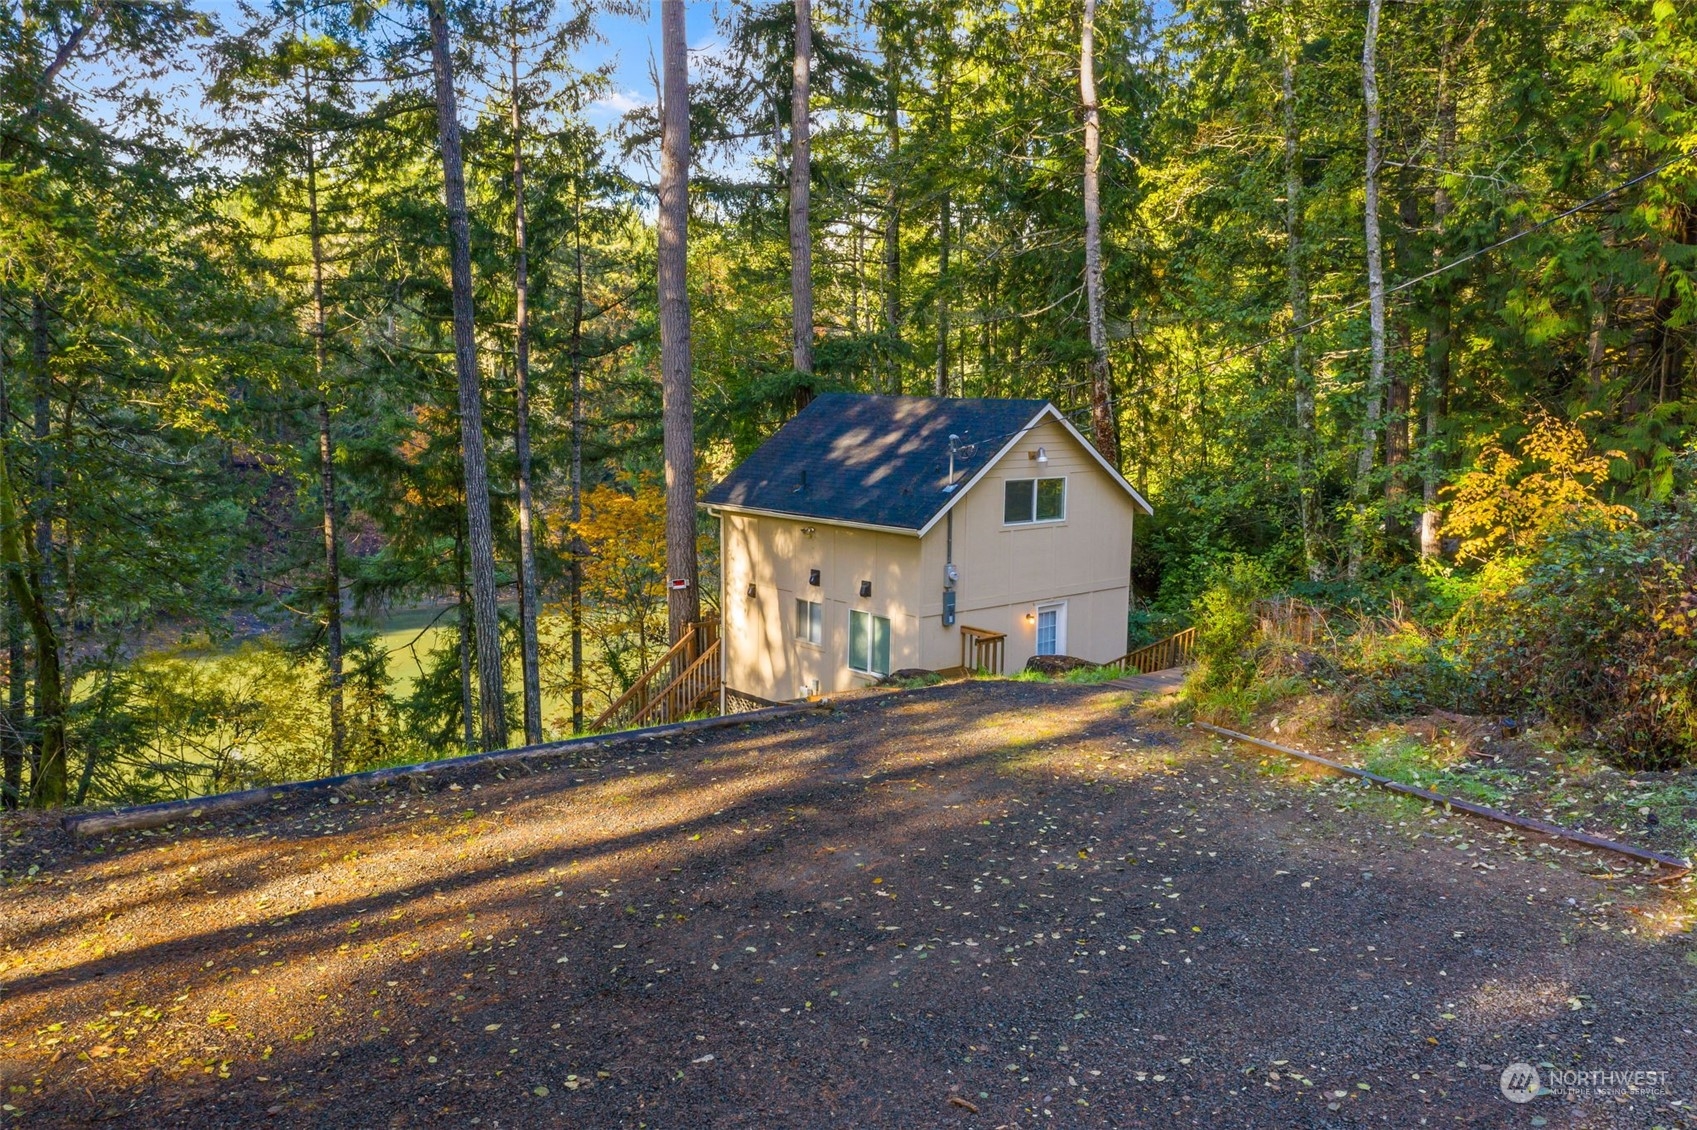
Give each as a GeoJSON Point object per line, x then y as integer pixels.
{"type": "Point", "coordinates": [995, 904]}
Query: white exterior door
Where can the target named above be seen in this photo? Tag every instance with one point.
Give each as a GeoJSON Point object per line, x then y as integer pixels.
{"type": "Point", "coordinates": [1051, 629]}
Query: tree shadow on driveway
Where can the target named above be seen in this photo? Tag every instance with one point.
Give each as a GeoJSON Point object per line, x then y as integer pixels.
{"type": "Point", "coordinates": [1015, 896]}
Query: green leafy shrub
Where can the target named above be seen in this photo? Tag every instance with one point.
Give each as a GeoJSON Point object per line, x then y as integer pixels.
{"type": "Point", "coordinates": [1224, 617]}
{"type": "Point", "coordinates": [1598, 629]}
{"type": "Point", "coordinates": [1237, 705]}
{"type": "Point", "coordinates": [1397, 670]}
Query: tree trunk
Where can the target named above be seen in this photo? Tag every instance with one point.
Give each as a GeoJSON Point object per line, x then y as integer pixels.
{"type": "Point", "coordinates": [1438, 331]}
{"type": "Point", "coordinates": [1596, 351]}
{"type": "Point", "coordinates": [34, 574]}
{"type": "Point", "coordinates": [41, 350]}
{"type": "Point", "coordinates": [1296, 285]}
{"type": "Point", "coordinates": [1375, 295]}
{"type": "Point", "coordinates": [801, 238]}
{"type": "Point", "coordinates": [1101, 400]}
{"type": "Point", "coordinates": [683, 598]}
{"type": "Point", "coordinates": [1672, 353]}
{"type": "Point", "coordinates": [577, 546]}
{"type": "Point", "coordinates": [856, 291]}
{"type": "Point", "coordinates": [12, 741]}
{"type": "Point", "coordinates": [945, 223]}
{"type": "Point", "coordinates": [47, 780]}
{"type": "Point", "coordinates": [521, 430]}
{"type": "Point", "coordinates": [479, 533]}
{"type": "Point", "coordinates": [326, 464]}
{"type": "Point", "coordinates": [48, 785]}
{"type": "Point", "coordinates": [1397, 422]}
{"type": "Point", "coordinates": [468, 706]}
{"type": "Point", "coordinates": [892, 216]}
{"type": "Point", "coordinates": [1397, 385]}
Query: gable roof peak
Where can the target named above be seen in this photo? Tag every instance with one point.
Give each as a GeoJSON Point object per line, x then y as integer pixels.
{"type": "Point", "coordinates": [881, 461]}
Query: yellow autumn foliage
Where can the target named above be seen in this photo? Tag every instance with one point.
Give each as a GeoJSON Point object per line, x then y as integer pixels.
{"type": "Point", "coordinates": [1513, 498]}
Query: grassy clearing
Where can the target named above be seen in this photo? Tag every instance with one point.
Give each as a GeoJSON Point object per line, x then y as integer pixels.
{"type": "Point", "coordinates": [1403, 757]}
{"type": "Point", "coordinates": [1093, 676]}
{"type": "Point", "coordinates": [1083, 677]}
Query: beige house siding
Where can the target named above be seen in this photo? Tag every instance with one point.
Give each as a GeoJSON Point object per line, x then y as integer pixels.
{"type": "Point", "coordinates": [1006, 572]}
{"type": "Point", "coordinates": [764, 657]}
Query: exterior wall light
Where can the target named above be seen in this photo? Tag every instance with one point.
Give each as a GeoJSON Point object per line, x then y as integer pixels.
{"type": "Point", "coordinates": [751, 588]}
{"type": "Point", "coordinates": [813, 577]}
{"type": "Point", "coordinates": [866, 588]}
{"type": "Point", "coordinates": [1031, 617]}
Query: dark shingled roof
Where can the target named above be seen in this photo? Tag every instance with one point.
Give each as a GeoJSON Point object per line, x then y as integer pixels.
{"type": "Point", "coordinates": [878, 460]}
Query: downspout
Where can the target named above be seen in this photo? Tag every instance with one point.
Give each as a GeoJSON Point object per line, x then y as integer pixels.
{"type": "Point", "coordinates": [1131, 580]}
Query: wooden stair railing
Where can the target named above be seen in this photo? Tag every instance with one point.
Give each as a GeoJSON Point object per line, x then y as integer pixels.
{"type": "Point", "coordinates": [1175, 651]}
{"type": "Point", "coordinates": [982, 650]}
{"type": "Point", "coordinates": [653, 683]}
{"type": "Point", "coordinates": [686, 694]}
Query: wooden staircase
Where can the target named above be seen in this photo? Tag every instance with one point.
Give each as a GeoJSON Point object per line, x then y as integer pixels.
{"type": "Point", "coordinates": [1159, 667]}
{"type": "Point", "coordinates": [1175, 651]}
{"type": "Point", "coordinates": [684, 681]}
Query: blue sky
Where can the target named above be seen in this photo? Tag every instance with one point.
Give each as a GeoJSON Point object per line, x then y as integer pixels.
{"type": "Point", "coordinates": [632, 44]}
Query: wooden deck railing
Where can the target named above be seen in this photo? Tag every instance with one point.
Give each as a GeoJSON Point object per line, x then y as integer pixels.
{"type": "Point", "coordinates": [630, 708]}
{"type": "Point", "coordinates": [1174, 651]}
{"type": "Point", "coordinates": [982, 650]}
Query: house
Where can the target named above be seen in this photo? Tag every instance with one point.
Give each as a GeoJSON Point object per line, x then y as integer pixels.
{"type": "Point", "coordinates": [877, 533]}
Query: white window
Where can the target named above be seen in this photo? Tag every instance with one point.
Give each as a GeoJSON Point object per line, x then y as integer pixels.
{"type": "Point", "coordinates": [869, 643]}
{"type": "Point", "coordinates": [1034, 500]}
{"type": "Point", "coordinates": [810, 621]}
{"type": "Point", "coordinates": [1051, 629]}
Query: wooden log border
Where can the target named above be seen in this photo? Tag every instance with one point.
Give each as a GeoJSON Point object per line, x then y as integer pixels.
{"type": "Point", "coordinates": [1525, 823]}
{"type": "Point", "coordinates": [171, 811]}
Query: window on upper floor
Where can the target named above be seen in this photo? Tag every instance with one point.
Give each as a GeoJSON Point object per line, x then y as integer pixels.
{"type": "Point", "coordinates": [1034, 500]}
